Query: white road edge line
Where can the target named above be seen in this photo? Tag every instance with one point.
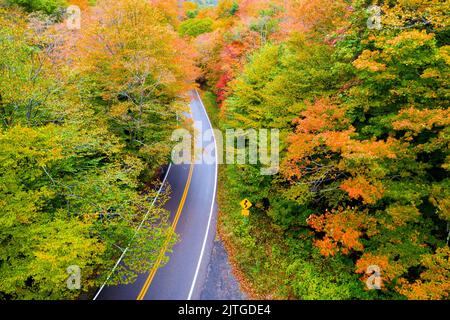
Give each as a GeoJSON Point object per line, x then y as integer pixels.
{"type": "Point", "coordinates": [212, 204]}
{"type": "Point", "coordinates": [137, 230]}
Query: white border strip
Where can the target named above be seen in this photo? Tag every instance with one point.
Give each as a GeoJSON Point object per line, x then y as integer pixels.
{"type": "Point", "coordinates": [212, 205]}
{"type": "Point", "coordinates": [137, 230]}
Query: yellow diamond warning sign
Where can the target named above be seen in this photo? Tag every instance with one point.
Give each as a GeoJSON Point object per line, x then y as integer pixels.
{"type": "Point", "coordinates": [246, 204]}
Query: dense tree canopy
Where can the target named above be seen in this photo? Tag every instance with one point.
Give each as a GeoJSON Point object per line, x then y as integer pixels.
{"type": "Point", "coordinates": [363, 114]}
{"type": "Point", "coordinates": [86, 118]}
{"type": "Point", "coordinates": [48, 6]}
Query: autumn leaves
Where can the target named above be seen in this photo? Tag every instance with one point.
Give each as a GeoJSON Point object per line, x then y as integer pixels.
{"type": "Point", "coordinates": [86, 118]}
{"type": "Point", "coordinates": [363, 119]}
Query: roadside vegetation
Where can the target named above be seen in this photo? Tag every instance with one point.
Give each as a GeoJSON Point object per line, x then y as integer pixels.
{"type": "Point", "coordinates": [364, 120]}
{"type": "Point", "coordinates": [86, 117]}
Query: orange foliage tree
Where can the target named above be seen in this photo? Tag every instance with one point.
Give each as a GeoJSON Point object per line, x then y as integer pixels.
{"type": "Point", "coordinates": [132, 58]}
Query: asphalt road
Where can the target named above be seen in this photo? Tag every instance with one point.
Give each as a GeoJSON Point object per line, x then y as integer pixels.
{"type": "Point", "coordinates": [192, 202]}
{"type": "Point", "coordinates": [220, 282]}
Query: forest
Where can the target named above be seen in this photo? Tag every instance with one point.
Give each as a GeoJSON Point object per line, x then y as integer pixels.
{"type": "Point", "coordinates": [358, 89]}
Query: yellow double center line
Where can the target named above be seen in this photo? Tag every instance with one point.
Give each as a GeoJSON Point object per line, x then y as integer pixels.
{"type": "Point", "coordinates": [169, 237]}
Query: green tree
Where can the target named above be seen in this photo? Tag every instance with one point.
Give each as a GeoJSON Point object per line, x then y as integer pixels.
{"type": "Point", "coordinates": [71, 189]}
{"type": "Point", "coordinates": [195, 27]}
{"type": "Point", "coordinates": [47, 6]}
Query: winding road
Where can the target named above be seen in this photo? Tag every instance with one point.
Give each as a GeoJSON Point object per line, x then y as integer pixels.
{"type": "Point", "coordinates": [194, 215]}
